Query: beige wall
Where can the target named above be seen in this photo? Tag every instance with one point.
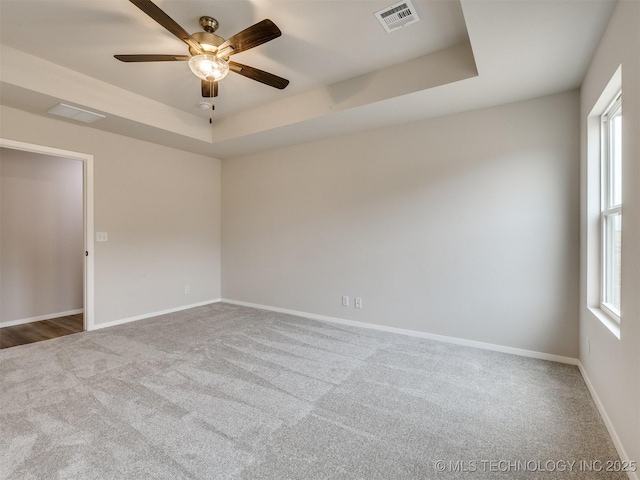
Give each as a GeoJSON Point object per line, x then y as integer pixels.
{"type": "Point", "coordinates": [42, 240]}
{"type": "Point", "coordinates": [611, 364]}
{"type": "Point", "coordinates": [160, 207]}
{"type": "Point", "coordinates": [465, 226]}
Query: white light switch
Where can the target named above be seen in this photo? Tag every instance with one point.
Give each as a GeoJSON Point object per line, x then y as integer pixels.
{"type": "Point", "coordinates": [102, 237]}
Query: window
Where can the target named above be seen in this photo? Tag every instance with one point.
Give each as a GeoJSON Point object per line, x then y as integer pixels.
{"type": "Point", "coordinates": [611, 207]}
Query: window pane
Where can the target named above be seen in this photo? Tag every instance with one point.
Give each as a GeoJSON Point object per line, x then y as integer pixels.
{"type": "Point", "coordinates": [616, 159]}
{"type": "Point", "coordinates": [613, 244]}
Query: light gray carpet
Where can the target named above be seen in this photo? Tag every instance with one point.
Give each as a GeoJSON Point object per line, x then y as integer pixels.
{"type": "Point", "coordinates": [228, 392]}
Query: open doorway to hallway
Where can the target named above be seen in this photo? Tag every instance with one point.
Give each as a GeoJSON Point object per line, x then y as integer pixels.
{"type": "Point", "coordinates": [44, 243]}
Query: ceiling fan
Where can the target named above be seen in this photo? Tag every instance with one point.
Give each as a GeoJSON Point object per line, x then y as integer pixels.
{"type": "Point", "coordinates": [209, 53]}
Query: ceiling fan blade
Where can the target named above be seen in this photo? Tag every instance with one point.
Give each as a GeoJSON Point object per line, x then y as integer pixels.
{"type": "Point", "coordinates": [259, 75]}
{"type": "Point", "coordinates": [255, 35]}
{"type": "Point", "coordinates": [152, 58]}
{"type": "Point", "coordinates": [209, 89]}
{"type": "Point", "coordinates": [151, 9]}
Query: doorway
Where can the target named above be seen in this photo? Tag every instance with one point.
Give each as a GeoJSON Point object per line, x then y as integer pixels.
{"type": "Point", "coordinates": [84, 248]}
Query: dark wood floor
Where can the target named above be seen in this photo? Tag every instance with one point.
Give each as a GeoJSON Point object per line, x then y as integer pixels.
{"type": "Point", "coordinates": [42, 330]}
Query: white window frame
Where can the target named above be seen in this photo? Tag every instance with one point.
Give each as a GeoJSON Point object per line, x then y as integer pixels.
{"type": "Point", "coordinates": [608, 208]}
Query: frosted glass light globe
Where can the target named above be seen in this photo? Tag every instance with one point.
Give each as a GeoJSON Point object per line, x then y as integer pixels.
{"type": "Point", "coordinates": [208, 67]}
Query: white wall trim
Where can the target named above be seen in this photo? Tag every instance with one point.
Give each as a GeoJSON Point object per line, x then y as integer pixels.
{"type": "Point", "coordinates": [121, 321]}
{"type": "Point", "coordinates": [39, 318]}
{"type": "Point", "coordinates": [87, 161]}
{"type": "Point", "coordinates": [415, 333]}
{"type": "Point", "coordinates": [605, 418]}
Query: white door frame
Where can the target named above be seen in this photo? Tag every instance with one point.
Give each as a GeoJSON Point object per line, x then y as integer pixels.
{"type": "Point", "coordinates": [87, 161]}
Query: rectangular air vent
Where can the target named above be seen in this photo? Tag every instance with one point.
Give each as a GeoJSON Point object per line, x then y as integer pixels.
{"type": "Point", "coordinates": [75, 113]}
{"type": "Point", "coordinates": [397, 15]}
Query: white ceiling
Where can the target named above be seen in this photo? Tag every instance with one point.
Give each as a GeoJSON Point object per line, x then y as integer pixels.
{"type": "Point", "coordinates": [346, 72]}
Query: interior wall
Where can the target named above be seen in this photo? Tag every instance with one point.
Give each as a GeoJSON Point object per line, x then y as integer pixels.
{"type": "Point", "coordinates": [42, 239]}
{"type": "Point", "coordinates": [465, 226]}
{"type": "Point", "coordinates": [160, 208]}
{"type": "Point", "coordinates": [611, 364]}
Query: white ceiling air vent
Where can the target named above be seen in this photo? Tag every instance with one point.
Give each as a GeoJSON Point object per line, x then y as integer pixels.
{"type": "Point", "coordinates": [75, 113]}
{"type": "Point", "coordinates": [397, 15]}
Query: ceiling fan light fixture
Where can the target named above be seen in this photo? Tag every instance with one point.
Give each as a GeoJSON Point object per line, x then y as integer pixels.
{"type": "Point", "coordinates": [209, 67]}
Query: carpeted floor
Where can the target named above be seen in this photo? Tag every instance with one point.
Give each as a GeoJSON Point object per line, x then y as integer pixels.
{"type": "Point", "coordinates": [228, 392]}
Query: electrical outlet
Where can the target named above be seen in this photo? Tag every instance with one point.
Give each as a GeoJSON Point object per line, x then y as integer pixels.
{"type": "Point", "coordinates": [358, 302]}
{"type": "Point", "coordinates": [102, 237]}
{"type": "Point", "coordinates": [345, 301]}
{"type": "Point", "coordinates": [187, 289]}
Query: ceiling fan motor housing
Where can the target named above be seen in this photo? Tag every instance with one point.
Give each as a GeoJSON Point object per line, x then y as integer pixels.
{"type": "Point", "coordinates": [208, 41]}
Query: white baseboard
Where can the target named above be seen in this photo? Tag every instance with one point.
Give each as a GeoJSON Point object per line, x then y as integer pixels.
{"type": "Point", "coordinates": [39, 318]}
{"type": "Point", "coordinates": [605, 418]}
{"type": "Point", "coordinates": [121, 321]}
{"type": "Point", "coordinates": [415, 333]}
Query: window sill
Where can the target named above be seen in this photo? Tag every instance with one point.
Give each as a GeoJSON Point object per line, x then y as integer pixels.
{"type": "Point", "coordinates": [607, 321]}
